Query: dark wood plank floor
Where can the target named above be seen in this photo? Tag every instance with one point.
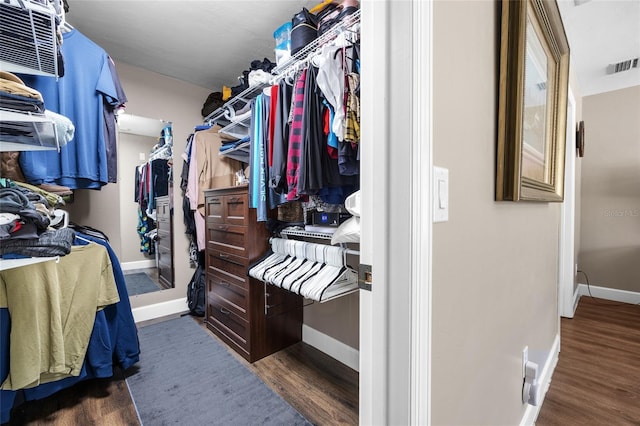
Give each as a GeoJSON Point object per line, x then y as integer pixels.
{"type": "Point", "coordinates": [597, 379]}
{"type": "Point", "coordinates": [322, 389]}
{"type": "Point", "coordinates": [92, 402]}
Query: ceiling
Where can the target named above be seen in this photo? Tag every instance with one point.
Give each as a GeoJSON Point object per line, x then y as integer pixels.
{"type": "Point", "coordinates": [601, 33]}
{"type": "Point", "coordinates": [209, 43]}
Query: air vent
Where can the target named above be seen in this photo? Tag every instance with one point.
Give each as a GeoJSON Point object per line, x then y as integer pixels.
{"type": "Point", "coordinates": [28, 38]}
{"type": "Point", "coordinates": [623, 66]}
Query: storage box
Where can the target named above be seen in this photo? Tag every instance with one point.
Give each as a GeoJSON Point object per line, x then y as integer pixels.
{"type": "Point", "coordinates": [282, 37]}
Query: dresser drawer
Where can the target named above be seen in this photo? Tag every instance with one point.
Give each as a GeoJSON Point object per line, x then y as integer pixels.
{"type": "Point", "coordinates": [233, 294]}
{"type": "Point", "coordinates": [228, 238]}
{"type": "Point", "coordinates": [224, 319]}
{"type": "Point", "coordinates": [215, 208]}
{"type": "Point", "coordinates": [234, 264]}
{"type": "Point", "coordinates": [236, 209]}
{"type": "Point", "coordinates": [231, 209]}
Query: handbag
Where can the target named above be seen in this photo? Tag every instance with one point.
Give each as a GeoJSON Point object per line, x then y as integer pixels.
{"type": "Point", "coordinates": [304, 29]}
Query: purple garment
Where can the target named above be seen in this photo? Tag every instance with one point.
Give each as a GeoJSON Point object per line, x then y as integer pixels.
{"type": "Point", "coordinates": [110, 131]}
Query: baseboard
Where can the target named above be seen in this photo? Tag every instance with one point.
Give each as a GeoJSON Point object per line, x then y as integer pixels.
{"type": "Point", "coordinates": [576, 299]}
{"type": "Point", "coordinates": [159, 310]}
{"type": "Point", "coordinates": [531, 413]}
{"type": "Point", "coordinates": [139, 264]}
{"type": "Point", "coordinates": [332, 347]}
{"type": "Point", "coordinates": [610, 293]}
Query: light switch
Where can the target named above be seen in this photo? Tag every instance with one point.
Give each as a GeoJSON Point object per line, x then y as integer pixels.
{"type": "Point", "coordinates": [443, 195]}
{"type": "Point", "coordinates": [141, 156]}
{"type": "Point", "coordinates": [440, 194]}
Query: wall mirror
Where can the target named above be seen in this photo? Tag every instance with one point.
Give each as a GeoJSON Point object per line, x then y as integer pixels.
{"type": "Point", "coordinates": [534, 79]}
{"type": "Point", "coordinates": [145, 148]}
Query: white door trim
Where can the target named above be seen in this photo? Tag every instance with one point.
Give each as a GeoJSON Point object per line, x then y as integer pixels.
{"type": "Point", "coordinates": [396, 220]}
{"type": "Point", "coordinates": [422, 169]}
{"type": "Point", "coordinates": [566, 252]}
{"type": "Point", "coordinates": [374, 88]}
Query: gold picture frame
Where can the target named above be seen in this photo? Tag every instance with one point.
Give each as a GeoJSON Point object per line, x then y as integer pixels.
{"type": "Point", "coordinates": [532, 107]}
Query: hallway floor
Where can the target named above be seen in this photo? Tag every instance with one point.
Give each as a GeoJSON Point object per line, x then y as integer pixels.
{"type": "Point", "coordinates": [597, 379]}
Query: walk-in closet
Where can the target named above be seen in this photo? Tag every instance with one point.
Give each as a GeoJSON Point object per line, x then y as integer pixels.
{"type": "Point", "coordinates": [237, 197]}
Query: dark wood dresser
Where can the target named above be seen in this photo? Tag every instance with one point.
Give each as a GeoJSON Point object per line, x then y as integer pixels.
{"type": "Point", "coordinates": [254, 322]}
{"type": "Point", "coordinates": [164, 224]}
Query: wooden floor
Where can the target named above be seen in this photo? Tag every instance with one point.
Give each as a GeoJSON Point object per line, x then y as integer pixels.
{"type": "Point", "coordinates": [597, 379]}
{"type": "Point", "coordinates": [322, 389]}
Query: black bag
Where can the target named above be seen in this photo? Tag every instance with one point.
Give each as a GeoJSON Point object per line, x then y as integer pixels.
{"type": "Point", "coordinates": [195, 292]}
{"type": "Point", "coordinates": [213, 102]}
{"type": "Point", "coordinates": [304, 29]}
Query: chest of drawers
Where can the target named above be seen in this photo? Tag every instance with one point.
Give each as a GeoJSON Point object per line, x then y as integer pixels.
{"type": "Point", "coordinates": [253, 319]}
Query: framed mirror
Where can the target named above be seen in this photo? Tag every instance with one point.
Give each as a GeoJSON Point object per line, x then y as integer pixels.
{"type": "Point", "coordinates": [145, 148]}
{"type": "Point", "coordinates": [533, 90]}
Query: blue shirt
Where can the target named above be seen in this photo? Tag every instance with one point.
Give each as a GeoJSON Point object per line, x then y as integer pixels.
{"type": "Point", "coordinates": [80, 96]}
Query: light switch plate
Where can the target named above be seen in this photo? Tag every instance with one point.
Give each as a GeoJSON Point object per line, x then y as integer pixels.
{"type": "Point", "coordinates": [440, 194]}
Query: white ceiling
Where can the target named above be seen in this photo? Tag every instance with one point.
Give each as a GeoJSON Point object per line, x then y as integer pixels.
{"type": "Point", "coordinates": [209, 43]}
{"type": "Point", "coordinates": [600, 33]}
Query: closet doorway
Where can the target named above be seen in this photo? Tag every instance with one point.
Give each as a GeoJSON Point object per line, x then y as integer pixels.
{"type": "Point", "coordinates": [146, 208]}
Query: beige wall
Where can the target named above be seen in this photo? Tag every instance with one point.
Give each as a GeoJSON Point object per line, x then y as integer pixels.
{"type": "Point", "coordinates": [154, 96]}
{"type": "Point", "coordinates": [610, 215]}
{"type": "Point", "coordinates": [494, 263]}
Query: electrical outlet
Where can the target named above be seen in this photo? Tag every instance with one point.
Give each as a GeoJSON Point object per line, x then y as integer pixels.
{"type": "Point", "coordinates": [575, 271]}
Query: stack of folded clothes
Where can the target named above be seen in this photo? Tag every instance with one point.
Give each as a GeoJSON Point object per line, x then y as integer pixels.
{"type": "Point", "coordinates": [25, 223]}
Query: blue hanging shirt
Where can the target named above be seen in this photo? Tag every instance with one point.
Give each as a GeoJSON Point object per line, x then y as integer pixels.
{"type": "Point", "coordinates": [79, 95]}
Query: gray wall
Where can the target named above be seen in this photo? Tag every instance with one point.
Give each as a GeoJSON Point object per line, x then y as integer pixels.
{"type": "Point", "coordinates": [495, 264]}
{"type": "Point", "coordinates": [610, 215]}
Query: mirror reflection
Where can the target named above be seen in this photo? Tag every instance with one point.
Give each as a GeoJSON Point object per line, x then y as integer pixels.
{"type": "Point", "coordinates": [145, 148]}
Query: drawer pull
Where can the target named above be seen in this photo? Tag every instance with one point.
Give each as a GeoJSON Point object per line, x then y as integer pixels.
{"type": "Point", "coordinates": [225, 284]}
{"type": "Point", "coordinates": [223, 228]}
{"type": "Point", "coordinates": [224, 311]}
{"type": "Point", "coordinates": [224, 256]}
{"type": "Point", "coordinates": [234, 199]}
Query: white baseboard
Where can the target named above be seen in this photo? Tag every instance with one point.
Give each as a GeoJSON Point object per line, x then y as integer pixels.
{"type": "Point", "coordinates": [332, 347]}
{"type": "Point", "coordinates": [531, 413]}
{"type": "Point", "coordinates": [159, 310]}
{"type": "Point", "coordinates": [610, 293]}
{"type": "Point", "coordinates": [576, 299]}
{"type": "Point", "coordinates": [140, 264]}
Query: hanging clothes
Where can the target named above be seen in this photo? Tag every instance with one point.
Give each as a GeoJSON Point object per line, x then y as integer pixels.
{"type": "Point", "coordinates": [280, 143]}
{"type": "Point", "coordinates": [110, 129]}
{"type": "Point", "coordinates": [296, 137]}
{"type": "Point", "coordinates": [87, 85]}
{"type": "Point", "coordinates": [207, 170]}
{"type": "Point", "coordinates": [331, 80]}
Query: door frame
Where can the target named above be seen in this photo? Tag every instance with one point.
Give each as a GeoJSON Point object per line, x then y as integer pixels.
{"type": "Point", "coordinates": [392, 393]}
{"type": "Point", "coordinates": [567, 296]}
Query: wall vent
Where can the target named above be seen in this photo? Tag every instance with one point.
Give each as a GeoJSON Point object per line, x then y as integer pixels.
{"type": "Point", "coordinates": [623, 66]}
